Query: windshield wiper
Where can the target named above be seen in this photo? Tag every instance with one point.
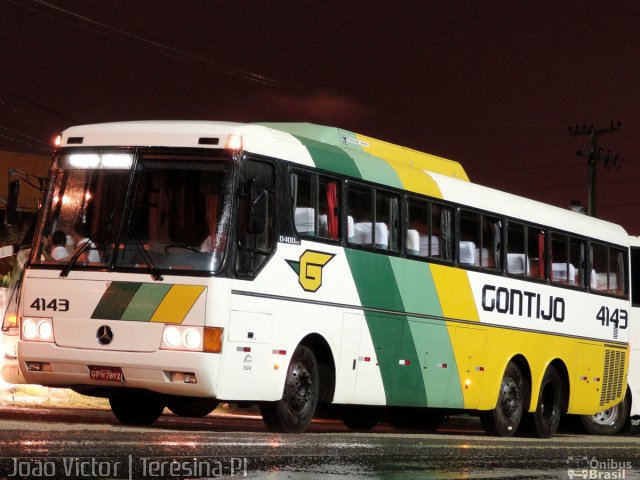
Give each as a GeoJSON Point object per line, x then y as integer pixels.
{"type": "Point", "coordinates": [67, 268]}
{"type": "Point", "coordinates": [153, 270]}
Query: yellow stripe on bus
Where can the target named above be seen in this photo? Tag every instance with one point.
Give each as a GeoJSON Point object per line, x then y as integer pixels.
{"type": "Point", "coordinates": [454, 292]}
{"type": "Point", "coordinates": [177, 303]}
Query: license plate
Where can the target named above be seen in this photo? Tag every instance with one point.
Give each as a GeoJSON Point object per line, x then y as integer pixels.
{"type": "Point", "coordinates": [106, 374]}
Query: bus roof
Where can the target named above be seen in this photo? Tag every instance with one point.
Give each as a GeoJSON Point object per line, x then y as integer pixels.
{"type": "Point", "coordinates": [343, 152]}
{"type": "Point", "coordinates": [304, 143]}
{"type": "Point", "coordinates": [513, 206]}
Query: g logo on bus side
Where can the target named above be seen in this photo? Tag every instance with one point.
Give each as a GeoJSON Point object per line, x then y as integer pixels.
{"type": "Point", "coordinates": [309, 269]}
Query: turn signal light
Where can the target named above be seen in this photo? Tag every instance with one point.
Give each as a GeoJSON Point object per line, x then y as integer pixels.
{"type": "Point", "coordinates": [213, 339]}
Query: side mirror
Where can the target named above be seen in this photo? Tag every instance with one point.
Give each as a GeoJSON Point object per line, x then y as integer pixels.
{"type": "Point", "coordinates": [12, 202]}
{"type": "Point", "coordinates": [259, 205]}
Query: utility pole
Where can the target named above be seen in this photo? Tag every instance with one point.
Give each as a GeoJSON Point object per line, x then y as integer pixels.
{"type": "Point", "coordinates": [594, 155]}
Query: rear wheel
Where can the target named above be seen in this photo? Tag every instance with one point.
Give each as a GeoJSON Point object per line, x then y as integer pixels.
{"type": "Point", "coordinates": [191, 407]}
{"type": "Point", "coordinates": [609, 421]}
{"type": "Point", "coordinates": [545, 420]}
{"type": "Point", "coordinates": [137, 408]}
{"type": "Point", "coordinates": [294, 411]}
{"type": "Point", "coordinates": [505, 418]}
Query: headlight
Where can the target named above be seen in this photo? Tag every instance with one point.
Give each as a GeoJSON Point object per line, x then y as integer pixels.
{"type": "Point", "coordinates": [194, 339]}
{"type": "Point", "coordinates": [178, 337]}
{"type": "Point", "coordinates": [37, 329]}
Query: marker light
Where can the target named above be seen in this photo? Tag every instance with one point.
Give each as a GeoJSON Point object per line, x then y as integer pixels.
{"type": "Point", "coordinates": [93, 160]}
{"type": "Point", "coordinates": [58, 141]}
{"type": "Point", "coordinates": [84, 160]}
{"type": "Point", "coordinates": [234, 142]}
{"type": "Point", "coordinates": [117, 160]}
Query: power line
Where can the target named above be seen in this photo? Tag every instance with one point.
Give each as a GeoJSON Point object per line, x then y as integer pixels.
{"type": "Point", "coordinates": [24, 139]}
{"type": "Point", "coordinates": [160, 48]}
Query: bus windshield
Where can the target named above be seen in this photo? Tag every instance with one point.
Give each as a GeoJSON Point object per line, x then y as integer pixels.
{"type": "Point", "coordinates": [169, 213]}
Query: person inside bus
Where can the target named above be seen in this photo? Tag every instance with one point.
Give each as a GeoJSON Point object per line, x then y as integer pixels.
{"type": "Point", "coordinates": [58, 249]}
{"type": "Point", "coordinates": [90, 253]}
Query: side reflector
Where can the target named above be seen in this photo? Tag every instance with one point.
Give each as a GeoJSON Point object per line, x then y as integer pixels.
{"type": "Point", "coordinates": [213, 339]}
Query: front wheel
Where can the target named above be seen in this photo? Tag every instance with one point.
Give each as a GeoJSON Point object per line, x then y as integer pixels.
{"type": "Point", "coordinates": [137, 408]}
{"type": "Point", "coordinates": [513, 398]}
{"type": "Point", "coordinates": [294, 411]}
{"type": "Point", "coordinates": [609, 421]}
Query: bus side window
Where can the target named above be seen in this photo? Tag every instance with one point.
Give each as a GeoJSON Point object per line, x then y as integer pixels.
{"type": "Point", "coordinates": [491, 247]}
{"type": "Point", "coordinates": [562, 272]}
{"type": "Point", "coordinates": [469, 241]}
{"type": "Point", "coordinates": [617, 271]}
{"type": "Point", "coordinates": [304, 210]}
{"type": "Point", "coordinates": [517, 263]}
{"type": "Point", "coordinates": [316, 205]}
{"type": "Point", "coordinates": [387, 220]}
{"type": "Point", "coordinates": [360, 210]}
{"type": "Point", "coordinates": [599, 277]}
{"type": "Point", "coordinates": [577, 258]}
{"type": "Point", "coordinates": [536, 253]}
{"type": "Point", "coordinates": [418, 238]}
{"type": "Point", "coordinates": [441, 232]}
{"type": "Point", "coordinates": [329, 208]}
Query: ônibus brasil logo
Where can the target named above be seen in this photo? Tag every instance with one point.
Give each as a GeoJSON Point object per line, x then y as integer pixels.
{"type": "Point", "coordinates": [309, 269]}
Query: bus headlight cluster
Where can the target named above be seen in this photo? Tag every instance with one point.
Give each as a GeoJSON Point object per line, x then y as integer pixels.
{"type": "Point", "coordinates": [195, 339]}
{"type": "Point", "coordinates": [37, 329]}
{"type": "Point", "coordinates": [182, 338]}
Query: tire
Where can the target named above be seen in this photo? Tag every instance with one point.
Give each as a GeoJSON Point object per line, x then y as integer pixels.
{"type": "Point", "coordinates": [608, 422]}
{"type": "Point", "coordinates": [137, 408]}
{"type": "Point", "coordinates": [544, 422]}
{"type": "Point", "coordinates": [191, 407]}
{"type": "Point", "coordinates": [294, 411]}
{"type": "Point", "coordinates": [504, 419]}
{"type": "Point", "coordinates": [361, 417]}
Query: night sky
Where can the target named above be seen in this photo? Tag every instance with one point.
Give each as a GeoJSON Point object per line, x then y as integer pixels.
{"type": "Point", "coordinates": [492, 84]}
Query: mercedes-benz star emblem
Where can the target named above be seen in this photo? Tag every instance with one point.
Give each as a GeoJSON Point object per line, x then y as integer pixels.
{"type": "Point", "coordinates": [104, 335]}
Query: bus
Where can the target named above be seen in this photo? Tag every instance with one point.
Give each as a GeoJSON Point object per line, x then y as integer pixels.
{"type": "Point", "coordinates": [625, 416]}
{"type": "Point", "coordinates": [295, 266]}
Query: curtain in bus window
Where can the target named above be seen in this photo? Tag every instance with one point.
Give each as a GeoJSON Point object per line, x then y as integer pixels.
{"type": "Point", "coordinates": [446, 225]}
{"type": "Point", "coordinates": [394, 221]}
{"type": "Point", "coordinates": [332, 210]}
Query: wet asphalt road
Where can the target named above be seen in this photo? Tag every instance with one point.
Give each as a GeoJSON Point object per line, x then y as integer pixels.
{"type": "Point", "coordinates": [76, 443]}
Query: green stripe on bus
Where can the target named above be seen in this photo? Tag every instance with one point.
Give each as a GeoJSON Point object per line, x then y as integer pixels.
{"type": "Point", "coordinates": [328, 157]}
{"type": "Point", "coordinates": [115, 300]}
{"type": "Point", "coordinates": [374, 169]}
{"type": "Point", "coordinates": [391, 335]}
{"type": "Point", "coordinates": [431, 338]}
{"type": "Point", "coordinates": [416, 287]}
{"type": "Point", "coordinates": [145, 302]}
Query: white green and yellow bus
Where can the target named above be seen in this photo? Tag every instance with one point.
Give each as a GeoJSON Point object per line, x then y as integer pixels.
{"type": "Point", "coordinates": [294, 265]}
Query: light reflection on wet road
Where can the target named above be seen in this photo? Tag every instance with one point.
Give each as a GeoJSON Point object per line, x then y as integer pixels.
{"type": "Point", "coordinates": [91, 443]}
